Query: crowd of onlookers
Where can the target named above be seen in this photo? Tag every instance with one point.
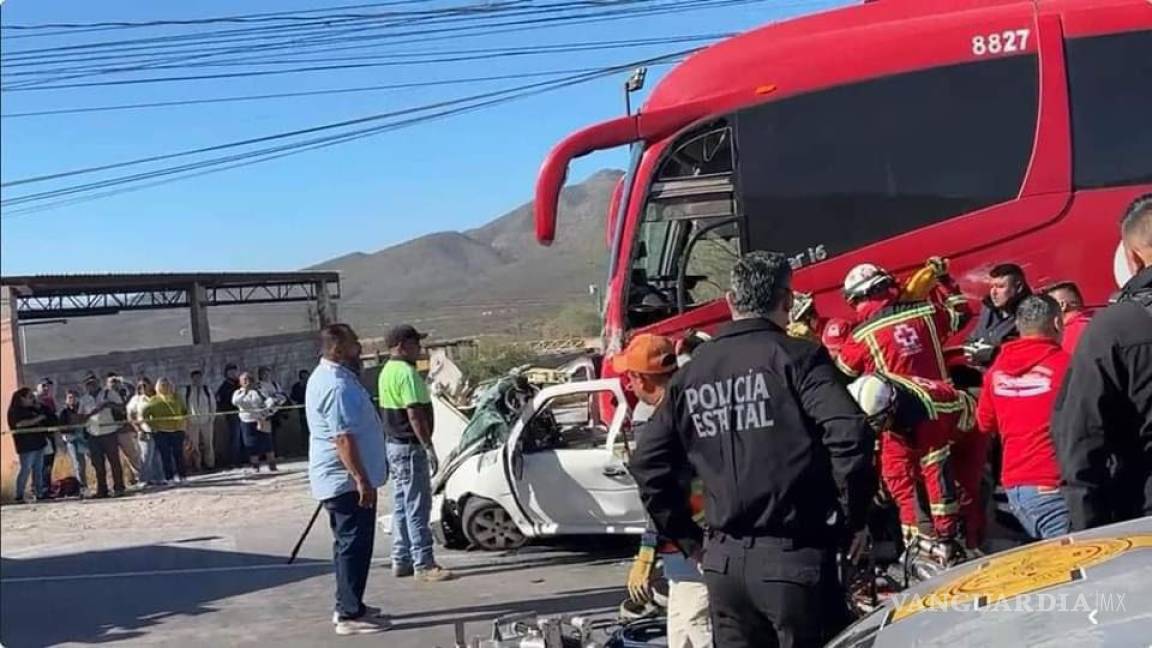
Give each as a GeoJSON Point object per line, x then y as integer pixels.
{"type": "Point", "coordinates": [150, 434]}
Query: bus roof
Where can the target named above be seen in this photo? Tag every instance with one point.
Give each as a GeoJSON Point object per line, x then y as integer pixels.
{"type": "Point", "coordinates": [798, 55]}
{"type": "Point", "coordinates": [859, 40]}
{"type": "Point", "coordinates": [758, 58]}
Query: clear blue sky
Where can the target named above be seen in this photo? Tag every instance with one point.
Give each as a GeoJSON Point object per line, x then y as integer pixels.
{"type": "Point", "coordinates": [288, 213]}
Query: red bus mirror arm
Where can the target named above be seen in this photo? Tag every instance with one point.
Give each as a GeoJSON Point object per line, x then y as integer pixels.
{"type": "Point", "coordinates": [609, 134]}
{"type": "Point", "coordinates": [650, 126]}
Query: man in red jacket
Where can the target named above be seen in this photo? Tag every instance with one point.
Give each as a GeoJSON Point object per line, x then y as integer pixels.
{"type": "Point", "coordinates": [895, 337]}
{"type": "Point", "coordinates": [1016, 402]}
{"type": "Point", "coordinates": [1075, 317]}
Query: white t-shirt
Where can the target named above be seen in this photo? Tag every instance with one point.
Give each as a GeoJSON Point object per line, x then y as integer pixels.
{"type": "Point", "coordinates": [103, 422]}
{"type": "Point", "coordinates": [135, 410]}
{"type": "Point", "coordinates": [252, 405]}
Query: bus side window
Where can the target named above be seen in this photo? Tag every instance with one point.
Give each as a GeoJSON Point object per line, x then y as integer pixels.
{"type": "Point", "coordinates": [830, 171]}
{"type": "Point", "coordinates": [1110, 85]}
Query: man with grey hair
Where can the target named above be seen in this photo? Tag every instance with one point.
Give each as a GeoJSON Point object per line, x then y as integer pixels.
{"type": "Point", "coordinates": [785, 459]}
{"type": "Point", "coordinates": [1102, 424]}
{"type": "Point", "coordinates": [1016, 403]}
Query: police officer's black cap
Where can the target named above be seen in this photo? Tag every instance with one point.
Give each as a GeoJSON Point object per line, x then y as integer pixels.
{"type": "Point", "coordinates": [398, 335]}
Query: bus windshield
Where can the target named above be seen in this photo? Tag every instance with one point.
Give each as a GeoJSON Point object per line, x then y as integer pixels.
{"type": "Point", "coordinates": [685, 247]}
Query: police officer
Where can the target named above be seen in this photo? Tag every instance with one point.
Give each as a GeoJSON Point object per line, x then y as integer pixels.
{"type": "Point", "coordinates": [785, 457]}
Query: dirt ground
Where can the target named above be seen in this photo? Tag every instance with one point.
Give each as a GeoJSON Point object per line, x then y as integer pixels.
{"type": "Point", "coordinates": [204, 565]}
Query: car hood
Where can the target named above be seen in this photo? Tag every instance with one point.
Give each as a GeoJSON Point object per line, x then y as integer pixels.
{"type": "Point", "coordinates": [1090, 588]}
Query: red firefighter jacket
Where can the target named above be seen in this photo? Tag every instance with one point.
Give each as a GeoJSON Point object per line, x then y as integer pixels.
{"type": "Point", "coordinates": [906, 338]}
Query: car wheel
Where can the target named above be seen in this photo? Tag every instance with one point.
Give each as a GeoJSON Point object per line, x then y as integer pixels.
{"type": "Point", "coordinates": [488, 526]}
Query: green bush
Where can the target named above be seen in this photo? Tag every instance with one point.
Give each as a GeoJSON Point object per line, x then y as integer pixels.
{"type": "Point", "coordinates": [493, 358]}
{"type": "Point", "coordinates": [572, 321]}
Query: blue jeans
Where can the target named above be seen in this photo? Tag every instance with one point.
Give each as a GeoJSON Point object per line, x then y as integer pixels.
{"type": "Point", "coordinates": [353, 535]}
{"type": "Point", "coordinates": [150, 466]}
{"type": "Point", "coordinates": [31, 463]}
{"type": "Point", "coordinates": [170, 446]}
{"type": "Point", "coordinates": [1040, 510]}
{"type": "Point", "coordinates": [411, 505]}
{"type": "Point", "coordinates": [78, 453]}
{"type": "Point", "coordinates": [679, 568]}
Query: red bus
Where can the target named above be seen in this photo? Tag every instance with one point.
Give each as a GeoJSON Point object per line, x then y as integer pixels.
{"type": "Point", "coordinates": [984, 131]}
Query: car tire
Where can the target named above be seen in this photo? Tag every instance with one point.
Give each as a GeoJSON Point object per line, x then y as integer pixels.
{"type": "Point", "coordinates": [488, 526]}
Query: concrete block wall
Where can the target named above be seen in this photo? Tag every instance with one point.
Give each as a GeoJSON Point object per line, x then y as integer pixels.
{"type": "Point", "coordinates": [285, 354]}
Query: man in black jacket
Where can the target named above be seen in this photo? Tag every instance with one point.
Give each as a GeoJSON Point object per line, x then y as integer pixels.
{"type": "Point", "coordinates": [785, 458]}
{"type": "Point", "coordinates": [236, 454]}
{"type": "Point", "coordinates": [997, 321]}
{"type": "Point", "coordinates": [1102, 423]}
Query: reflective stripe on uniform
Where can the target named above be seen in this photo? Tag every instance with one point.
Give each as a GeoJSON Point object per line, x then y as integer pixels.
{"type": "Point", "coordinates": [944, 508]}
{"type": "Point", "coordinates": [896, 318]}
{"type": "Point", "coordinates": [963, 404]}
{"type": "Point", "coordinates": [937, 456]}
{"type": "Point", "coordinates": [919, 392]}
{"type": "Point", "coordinates": [909, 531]}
{"type": "Point", "coordinates": [849, 371]}
{"type": "Point", "coordinates": [937, 346]}
{"type": "Point", "coordinates": [954, 316]}
{"type": "Point", "coordinates": [877, 354]}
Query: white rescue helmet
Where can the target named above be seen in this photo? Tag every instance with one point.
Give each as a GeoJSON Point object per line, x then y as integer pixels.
{"type": "Point", "coordinates": [875, 395]}
{"type": "Point", "coordinates": [863, 279]}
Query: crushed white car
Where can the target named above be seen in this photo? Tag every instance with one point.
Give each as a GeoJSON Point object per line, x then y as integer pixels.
{"type": "Point", "coordinates": [532, 464]}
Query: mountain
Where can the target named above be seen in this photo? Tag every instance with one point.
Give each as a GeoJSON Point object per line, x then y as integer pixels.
{"type": "Point", "coordinates": [491, 279]}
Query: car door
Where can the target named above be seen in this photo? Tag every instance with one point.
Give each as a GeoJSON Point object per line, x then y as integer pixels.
{"type": "Point", "coordinates": [564, 466]}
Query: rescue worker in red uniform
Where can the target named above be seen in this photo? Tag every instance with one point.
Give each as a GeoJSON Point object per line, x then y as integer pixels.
{"type": "Point", "coordinates": [897, 336]}
{"type": "Point", "coordinates": [930, 436]}
{"type": "Point", "coordinates": [836, 332]}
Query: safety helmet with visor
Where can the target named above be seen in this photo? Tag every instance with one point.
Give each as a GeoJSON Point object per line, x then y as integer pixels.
{"type": "Point", "coordinates": [864, 280]}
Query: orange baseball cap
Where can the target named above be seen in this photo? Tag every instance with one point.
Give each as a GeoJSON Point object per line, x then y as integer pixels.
{"type": "Point", "coordinates": [647, 354]}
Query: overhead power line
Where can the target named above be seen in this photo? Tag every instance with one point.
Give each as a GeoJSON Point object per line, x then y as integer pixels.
{"type": "Point", "coordinates": [306, 93]}
{"type": "Point", "coordinates": [301, 14]}
{"type": "Point", "coordinates": [183, 57]}
{"type": "Point", "coordinates": [433, 111]}
{"type": "Point", "coordinates": [657, 7]}
{"type": "Point", "coordinates": [465, 14]}
{"type": "Point", "coordinates": [543, 48]}
{"type": "Point", "coordinates": [430, 58]}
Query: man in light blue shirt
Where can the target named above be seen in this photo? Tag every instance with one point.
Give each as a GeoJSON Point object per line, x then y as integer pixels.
{"type": "Point", "coordinates": [346, 464]}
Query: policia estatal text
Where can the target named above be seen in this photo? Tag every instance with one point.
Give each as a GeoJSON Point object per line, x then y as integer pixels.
{"type": "Point", "coordinates": [785, 457]}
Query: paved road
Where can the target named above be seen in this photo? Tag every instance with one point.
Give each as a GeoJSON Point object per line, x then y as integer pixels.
{"type": "Point", "coordinates": [204, 565]}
